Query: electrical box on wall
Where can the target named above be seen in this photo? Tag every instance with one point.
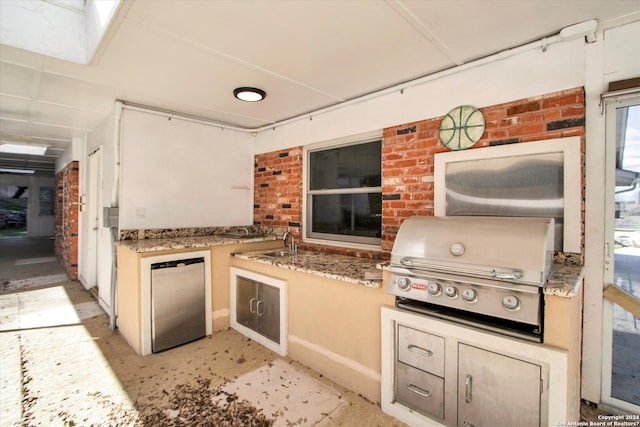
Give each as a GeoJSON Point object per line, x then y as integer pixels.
{"type": "Point", "coordinates": [110, 217]}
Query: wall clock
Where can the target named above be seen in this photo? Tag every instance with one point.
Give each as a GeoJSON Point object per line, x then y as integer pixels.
{"type": "Point", "coordinates": [462, 127]}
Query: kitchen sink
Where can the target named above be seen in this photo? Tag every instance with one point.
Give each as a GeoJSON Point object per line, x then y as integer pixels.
{"type": "Point", "coordinates": [281, 253]}
{"type": "Point", "coordinates": [242, 235]}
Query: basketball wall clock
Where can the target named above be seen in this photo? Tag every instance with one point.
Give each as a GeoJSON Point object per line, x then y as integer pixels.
{"type": "Point", "coordinates": [462, 127]}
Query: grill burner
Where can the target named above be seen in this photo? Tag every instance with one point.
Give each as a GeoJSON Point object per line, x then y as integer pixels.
{"type": "Point", "coordinates": [485, 272]}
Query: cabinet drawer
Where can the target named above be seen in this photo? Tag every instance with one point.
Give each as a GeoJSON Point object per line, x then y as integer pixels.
{"type": "Point", "coordinates": [421, 350]}
{"type": "Point", "coordinates": [419, 390]}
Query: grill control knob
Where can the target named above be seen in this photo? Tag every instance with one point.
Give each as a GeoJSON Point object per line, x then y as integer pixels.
{"type": "Point", "coordinates": [434, 288]}
{"type": "Point", "coordinates": [456, 249]}
{"type": "Point", "coordinates": [511, 302]}
{"type": "Point", "coordinates": [404, 283]}
{"type": "Point", "coordinates": [451, 291]}
{"type": "Point", "coordinates": [469, 295]}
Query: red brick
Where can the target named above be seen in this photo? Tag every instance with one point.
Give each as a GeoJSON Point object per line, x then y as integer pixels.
{"type": "Point", "coordinates": [528, 129]}
{"type": "Point", "coordinates": [522, 108]}
{"type": "Point", "coordinates": [561, 101]}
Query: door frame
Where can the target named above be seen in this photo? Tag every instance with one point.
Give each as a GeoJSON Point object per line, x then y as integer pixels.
{"type": "Point", "coordinates": [606, 400]}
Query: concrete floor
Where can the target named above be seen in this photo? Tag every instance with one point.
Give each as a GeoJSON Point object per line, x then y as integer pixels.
{"type": "Point", "coordinates": [60, 364]}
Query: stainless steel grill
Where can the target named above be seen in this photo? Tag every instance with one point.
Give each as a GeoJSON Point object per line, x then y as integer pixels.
{"type": "Point", "coordinates": [487, 272]}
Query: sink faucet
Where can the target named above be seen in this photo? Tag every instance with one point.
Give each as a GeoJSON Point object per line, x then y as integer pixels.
{"type": "Point", "coordinates": [292, 245]}
{"type": "Point", "coordinates": [245, 229]}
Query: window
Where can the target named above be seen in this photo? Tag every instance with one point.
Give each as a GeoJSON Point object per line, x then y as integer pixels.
{"type": "Point", "coordinates": [344, 193]}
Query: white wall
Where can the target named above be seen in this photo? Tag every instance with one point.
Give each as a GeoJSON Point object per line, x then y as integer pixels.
{"type": "Point", "coordinates": [177, 173]}
{"type": "Point", "coordinates": [507, 78]}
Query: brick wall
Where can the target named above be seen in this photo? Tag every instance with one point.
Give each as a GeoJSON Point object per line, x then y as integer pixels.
{"type": "Point", "coordinates": [67, 197]}
{"type": "Point", "coordinates": [278, 190]}
{"type": "Point", "coordinates": [408, 160]}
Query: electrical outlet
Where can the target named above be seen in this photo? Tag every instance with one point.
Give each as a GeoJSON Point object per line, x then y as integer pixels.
{"type": "Point", "coordinates": [140, 212]}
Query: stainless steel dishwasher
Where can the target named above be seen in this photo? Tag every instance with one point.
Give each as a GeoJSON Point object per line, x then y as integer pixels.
{"type": "Point", "coordinates": [177, 303]}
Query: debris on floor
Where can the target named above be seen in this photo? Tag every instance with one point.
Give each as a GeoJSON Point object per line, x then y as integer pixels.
{"type": "Point", "coordinates": [287, 394]}
{"type": "Point", "coordinates": [194, 405]}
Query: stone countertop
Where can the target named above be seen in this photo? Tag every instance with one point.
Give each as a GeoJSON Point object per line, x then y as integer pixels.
{"type": "Point", "coordinates": [340, 267]}
{"type": "Point", "coordinates": [565, 281]}
{"type": "Point", "coordinates": [155, 245]}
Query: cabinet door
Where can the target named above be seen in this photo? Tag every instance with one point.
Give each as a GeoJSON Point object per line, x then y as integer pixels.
{"type": "Point", "coordinates": [246, 302]}
{"type": "Point", "coordinates": [268, 312]}
{"type": "Point", "coordinates": [497, 390]}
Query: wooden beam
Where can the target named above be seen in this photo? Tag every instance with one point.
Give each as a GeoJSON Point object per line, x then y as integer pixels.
{"type": "Point", "coordinates": [623, 299]}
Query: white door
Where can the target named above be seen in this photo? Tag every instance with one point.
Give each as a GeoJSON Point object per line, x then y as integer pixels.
{"type": "Point", "coordinates": [620, 328]}
{"type": "Point", "coordinates": [99, 239]}
{"type": "Point", "coordinates": [92, 197]}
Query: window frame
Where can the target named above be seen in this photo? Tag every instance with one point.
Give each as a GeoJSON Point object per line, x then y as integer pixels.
{"type": "Point", "coordinates": [351, 241]}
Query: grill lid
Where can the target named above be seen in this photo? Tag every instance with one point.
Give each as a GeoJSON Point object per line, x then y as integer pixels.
{"type": "Point", "coordinates": [505, 248]}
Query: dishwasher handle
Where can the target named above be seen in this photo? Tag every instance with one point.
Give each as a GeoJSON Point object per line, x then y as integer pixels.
{"type": "Point", "coordinates": [177, 263]}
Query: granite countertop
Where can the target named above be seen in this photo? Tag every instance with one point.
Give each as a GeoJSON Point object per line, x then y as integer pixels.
{"type": "Point", "coordinates": [565, 281]}
{"type": "Point", "coordinates": [340, 267]}
{"type": "Point", "coordinates": [154, 245]}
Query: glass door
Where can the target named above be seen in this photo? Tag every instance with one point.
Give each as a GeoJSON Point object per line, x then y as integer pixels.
{"type": "Point", "coordinates": [621, 329]}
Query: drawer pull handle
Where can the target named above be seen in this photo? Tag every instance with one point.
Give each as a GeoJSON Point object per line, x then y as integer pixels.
{"type": "Point", "coordinates": [251, 309]}
{"type": "Point", "coordinates": [418, 390]}
{"type": "Point", "coordinates": [467, 388]}
{"type": "Point", "coordinates": [419, 350]}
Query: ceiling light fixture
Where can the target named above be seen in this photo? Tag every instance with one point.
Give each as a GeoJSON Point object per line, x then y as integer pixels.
{"type": "Point", "coordinates": [35, 150]}
{"type": "Point", "coordinates": [249, 94]}
{"type": "Point", "coordinates": [23, 171]}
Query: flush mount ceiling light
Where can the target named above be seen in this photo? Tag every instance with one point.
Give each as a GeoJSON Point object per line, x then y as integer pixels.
{"type": "Point", "coordinates": [23, 149]}
{"type": "Point", "coordinates": [249, 94]}
{"type": "Point", "coordinates": [23, 171]}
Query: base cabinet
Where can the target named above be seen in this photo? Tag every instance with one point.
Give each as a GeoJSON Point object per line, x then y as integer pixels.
{"type": "Point", "coordinates": [258, 307]}
{"type": "Point", "coordinates": [492, 389]}
{"type": "Point", "coordinates": [437, 373]}
{"type": "Point", "coordinates": [419, 371]}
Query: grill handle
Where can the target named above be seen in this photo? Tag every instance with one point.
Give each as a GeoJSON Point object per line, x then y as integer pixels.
{"type": "Point", "coordinates": [420, 264]}
{"type": "Point", "coordinates": [410, 262]}
{"type": "Point", "coordinates": [514, 275]}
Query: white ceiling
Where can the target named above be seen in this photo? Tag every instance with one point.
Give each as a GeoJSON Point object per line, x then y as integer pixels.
{"type": "Point", "coordinates": [188, 56]}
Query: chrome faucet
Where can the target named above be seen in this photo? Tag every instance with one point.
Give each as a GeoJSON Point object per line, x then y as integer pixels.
{"type": "Point", "coordinates": [292, 245]}
{"type": "Point", "coordinates": [245, 229]}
